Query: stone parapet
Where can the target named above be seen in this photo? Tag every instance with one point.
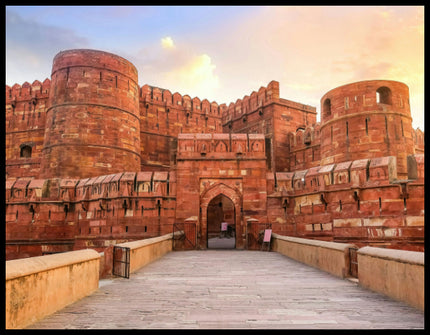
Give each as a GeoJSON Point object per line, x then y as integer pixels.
{"type": "Point", "coordinates": [398, 274]}
{"type": "Point", "coordinates": [39, 286]}
{"type": "Point", "coordinates": [327, 256]}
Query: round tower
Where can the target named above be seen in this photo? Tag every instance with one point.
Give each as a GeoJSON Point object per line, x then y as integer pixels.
{"type": "Point", "coordinates": [92, 121]}
{"type": "Point", "coordinates": [367, 119]}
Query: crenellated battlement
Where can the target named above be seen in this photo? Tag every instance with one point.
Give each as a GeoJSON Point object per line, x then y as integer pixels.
{"type": "Point", "coordinates": [27, 92]}
{"type": "Point", "coordinates": [163, 97]}
{"type": "Point", "coordinates": [252, 103]}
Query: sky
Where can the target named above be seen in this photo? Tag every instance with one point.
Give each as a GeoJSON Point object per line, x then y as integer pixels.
{"type": "Point", "coordinates": [223, 53]}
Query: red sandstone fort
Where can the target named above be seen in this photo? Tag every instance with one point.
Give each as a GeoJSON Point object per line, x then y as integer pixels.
{"type": "Point", "coordinates": [92, 160]}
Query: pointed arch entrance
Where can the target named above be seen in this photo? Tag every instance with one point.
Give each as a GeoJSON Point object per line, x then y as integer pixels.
{"type": "Point", "coordinates": [231, 200]}
{"type": "Point", "coordinates": [221, 225]}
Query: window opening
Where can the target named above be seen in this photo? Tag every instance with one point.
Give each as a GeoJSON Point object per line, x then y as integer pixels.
{"type": "Point", "coordinates": [25, 151]}
{"type": "Point", "coordinates": [383, 95]}
{"type": "Point", "coordinates": [327, 107]}
{"type": "Point", "coordinates": [386, 126]}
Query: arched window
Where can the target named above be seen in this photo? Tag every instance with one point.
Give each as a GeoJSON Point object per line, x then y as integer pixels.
{"type": "Point", "coordinates": [383, 95]}
{"type": "Point", "coordinates": [327, 107]}
{"type": "Point", "coordinates": [25, 151]}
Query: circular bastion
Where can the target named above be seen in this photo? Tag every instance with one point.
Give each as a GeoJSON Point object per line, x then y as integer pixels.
{"type": "Point", "coordinates": [92, 124]}
{"type": "Point", "coordinates": [367, 119]}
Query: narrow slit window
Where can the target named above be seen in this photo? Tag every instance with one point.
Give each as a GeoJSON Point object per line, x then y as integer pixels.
{"type": "Point", "coordinates": [386, 126]}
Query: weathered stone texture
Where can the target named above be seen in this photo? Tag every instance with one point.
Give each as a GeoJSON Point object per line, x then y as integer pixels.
{"type": "Point", "coordinates": [92, 159]}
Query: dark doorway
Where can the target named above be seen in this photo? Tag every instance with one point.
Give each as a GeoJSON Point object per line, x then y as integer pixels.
{"type": "Point", "coordinates": [221, 229]}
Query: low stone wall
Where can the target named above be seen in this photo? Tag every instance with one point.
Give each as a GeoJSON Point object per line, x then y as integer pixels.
{"type": "Point", "coordinates": [398, 274]}
{"type": "Point", "coordinates": [143, 252]}
{"type": "Point", "coordinates": [331, 257]}
{"type": "Point", "coordinates": [39, 286]}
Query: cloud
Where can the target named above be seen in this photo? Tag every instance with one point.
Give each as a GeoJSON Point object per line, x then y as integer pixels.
{"type": "Point", "coordinates": [31, 46]}
{"type": "Point", "coordinates": [167, 43]}
{"type": "Point", "coordinates": [326, 47]}
{"type": "Point", "coordinates": [299, 86]}
{"type": "Point", "coordinates": [197, 77]}
{"type": "Point", "coordinates": [177, 66]}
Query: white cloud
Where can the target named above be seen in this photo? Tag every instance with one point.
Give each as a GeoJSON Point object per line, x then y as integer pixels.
{"type": "Point", "coordinates": [167, 43]}
{"type": "Point", "coordinates": [196, 77]}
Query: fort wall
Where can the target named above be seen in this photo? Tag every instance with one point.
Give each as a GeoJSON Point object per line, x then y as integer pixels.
{"type": "Point", "coordinates": [59, 215]}
{"type": "Point", "coordinates": [360, 202]}
{"type": "Point", "coordinates": [92, 159]}
{"type": "Point", "coordinates": [25, 127]}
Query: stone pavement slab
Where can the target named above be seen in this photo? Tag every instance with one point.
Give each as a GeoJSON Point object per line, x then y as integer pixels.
{"type": "Point", "coordinates": [232, 289]}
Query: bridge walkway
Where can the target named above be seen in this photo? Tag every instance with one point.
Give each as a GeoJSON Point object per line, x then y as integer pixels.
{"type": "Point", "coordinates": [228, 289]}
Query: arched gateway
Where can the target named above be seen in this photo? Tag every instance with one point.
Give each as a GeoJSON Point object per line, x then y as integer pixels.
{"type": "Point", "coordinates": [230, 201]}
{"type": "Point", "coordinates": [236, 175]}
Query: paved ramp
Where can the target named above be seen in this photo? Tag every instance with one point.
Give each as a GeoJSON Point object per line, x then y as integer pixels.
{"type": "Point", "coordinates": [232, 289]}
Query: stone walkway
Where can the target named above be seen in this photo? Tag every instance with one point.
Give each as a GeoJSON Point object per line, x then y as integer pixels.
{"type": "Point", "coordinates": [221, 243]}
{"type": "Point", "coordinates": [232, 289]}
